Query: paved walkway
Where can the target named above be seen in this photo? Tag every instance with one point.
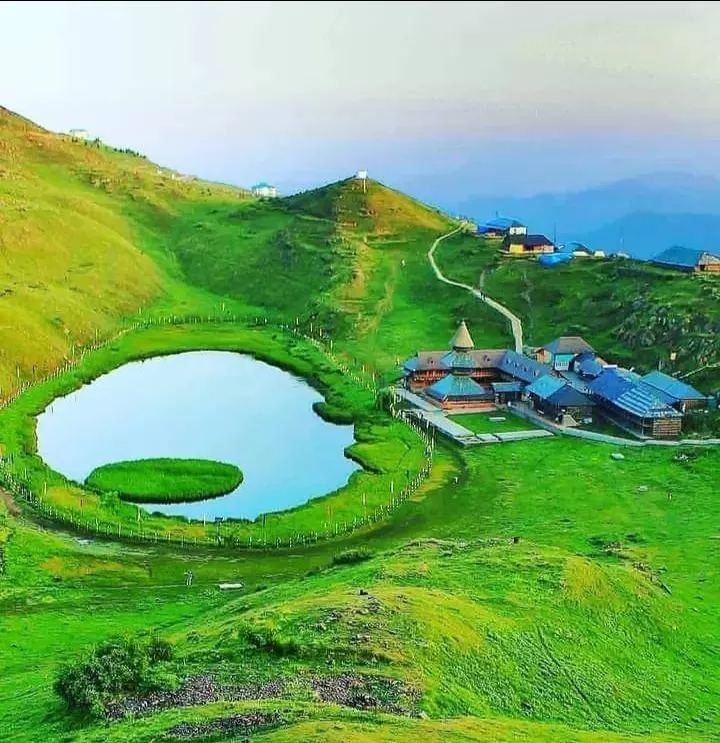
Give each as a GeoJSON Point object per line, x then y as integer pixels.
{"type": "Point", "coordinates": [515, 322]}
{"type": "Point", "coordinates": [415, 400]}
{"type": "Point", "coordinates": [437, 419]}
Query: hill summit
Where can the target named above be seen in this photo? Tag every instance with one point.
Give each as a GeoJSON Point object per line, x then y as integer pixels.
{"type": "Point", "coordinates": [368, 206]}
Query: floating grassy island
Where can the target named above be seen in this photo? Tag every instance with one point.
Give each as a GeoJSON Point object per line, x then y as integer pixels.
{"type": "Point", "coordinates": [166, 480]}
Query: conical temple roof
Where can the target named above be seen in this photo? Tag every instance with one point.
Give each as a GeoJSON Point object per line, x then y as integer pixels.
{"type": "Point", "coordinates": [461, 340]}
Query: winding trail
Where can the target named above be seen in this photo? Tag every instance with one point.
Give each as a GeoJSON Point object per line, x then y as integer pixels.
{"type": "Point", "coordinates": [515, 323]}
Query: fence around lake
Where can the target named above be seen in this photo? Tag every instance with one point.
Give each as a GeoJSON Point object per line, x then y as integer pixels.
{"type": "Point", "coordinates": [220, 533]}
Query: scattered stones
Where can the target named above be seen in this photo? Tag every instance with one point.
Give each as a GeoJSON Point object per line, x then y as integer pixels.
{"type": "Point", "coordinates": [367, 693]}
{"type": "Point", "coordinates": [643, 489]}
{"type": "Point", "coordinates": [196, 690]}
{"type": "Point", "coordinates": [247, 722]}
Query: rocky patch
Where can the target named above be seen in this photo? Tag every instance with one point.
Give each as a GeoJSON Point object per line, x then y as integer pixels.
{"type": "Point", "coordinates": [376, 693]}
{"type": "Point", "coordinates": [248, 722]}
{"type": "Point", "coordinates": [196, 690]}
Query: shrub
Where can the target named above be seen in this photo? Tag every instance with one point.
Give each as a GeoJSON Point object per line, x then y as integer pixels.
{"type": "Point", "coordinates": [350, 557]}
{"type": "Point", "coordinates": [113, 668]}
{"type": "Point", "coordinates": [159, 650]}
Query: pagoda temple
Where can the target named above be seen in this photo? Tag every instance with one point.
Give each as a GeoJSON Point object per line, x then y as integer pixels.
{"type": "Point", "coordinates": [467, 378]}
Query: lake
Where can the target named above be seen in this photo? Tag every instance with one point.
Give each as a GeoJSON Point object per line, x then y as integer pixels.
{"type": "Point", "coordinates": [209, 405]}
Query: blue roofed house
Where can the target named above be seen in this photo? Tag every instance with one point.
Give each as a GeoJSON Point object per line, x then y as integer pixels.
{"type": "Point", "coordinates": [519, 245]}
{"type": "Point", "coordinates": [501, 227]}
{"type": "Point", "coordinates": [561, 352]}
{"type": "Point", "coordinates": [587, 366]}
{"type": "Point", "coordinates": [675, 392]}
{"type": "Point", "coordinates": [457, 391]}
{"type": "Point", "coordinates": [265, 190]}
{"type": "Point", "coordinates": [555, 398]}
{"type": "Point", "coordinates": [687, 259]}
{"type": "Point", "coordinates": [635, 405]}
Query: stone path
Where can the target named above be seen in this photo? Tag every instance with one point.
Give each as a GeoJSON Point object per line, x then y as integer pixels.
{"type": "Point", "coordinates": [515, 322]}
{"type": "Point", "coordinates": [465, 437]}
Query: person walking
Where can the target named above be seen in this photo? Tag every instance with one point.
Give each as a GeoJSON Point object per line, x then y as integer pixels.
{"type": "Point", "coordinates": [188, 577]}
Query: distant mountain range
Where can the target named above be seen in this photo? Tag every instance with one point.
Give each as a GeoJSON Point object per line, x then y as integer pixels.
{"type": "Point", "coordinates": [640, 216]}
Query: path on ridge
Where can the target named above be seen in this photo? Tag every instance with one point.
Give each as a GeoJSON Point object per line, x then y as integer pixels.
{"type": "Point", "coordinates": [515, 322]}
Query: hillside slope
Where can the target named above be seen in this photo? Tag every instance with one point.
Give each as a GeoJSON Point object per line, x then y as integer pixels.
{"type": "Point", "coordinates": [349, 259]}
{"type": "Point", "coordinates": [82, 228]}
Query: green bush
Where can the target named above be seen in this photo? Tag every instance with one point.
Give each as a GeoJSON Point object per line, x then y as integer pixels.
{"type": "Point", "coordinates": [116, 667]}
{"type": "Point", "coordinates": [350, 557]}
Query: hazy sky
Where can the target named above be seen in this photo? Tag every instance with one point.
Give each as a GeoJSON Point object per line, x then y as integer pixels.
{"type": "Point", "coordinates": [438, 97]}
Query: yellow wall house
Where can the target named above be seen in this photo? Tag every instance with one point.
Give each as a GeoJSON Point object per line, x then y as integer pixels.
{"type": "Point", "coordinates": [527, 245]}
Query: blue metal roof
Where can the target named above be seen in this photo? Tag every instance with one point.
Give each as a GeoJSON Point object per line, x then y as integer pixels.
{"type": "Point", "coordinates": [453, 386]}
{"type": "Point", "coordinates": [678, 256]}
{"type": "Point", "coordinates": [573, 246]}
{"type": "Point", "coordinates": [587, 364]}
{"type": "Point", "coordinates": [557, 391]}
{"type": "Point", "coordinates": [545, 386]}
{"type": "Point", "coordinates": [522, 367]}
{"type": "Point", "coordinates": [673, 388]}
{"type": "Point", "coordinates": [459, 360]}
{"type": "Point", "coordinates": [507, 386]}
{"type": "Point", "coordinates": [627, 391]}
{"type": "Point", "coordinates": [502, 223]}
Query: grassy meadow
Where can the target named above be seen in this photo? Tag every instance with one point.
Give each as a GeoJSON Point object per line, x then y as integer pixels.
{"type": "Point", "coordinates": [166, 480]}
{"type": "Point", "coordinates": [537, 590]}
{"type": "Point", "coordinates": [481, 423]}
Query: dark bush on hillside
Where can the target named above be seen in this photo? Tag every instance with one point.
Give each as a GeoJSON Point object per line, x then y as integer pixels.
{"type": "Point", "coordinates": [111, 669]}
{"type": "Point", "coordinates": [159, 650]}
{"type": "Point", "coordinates": [270, 642]}
{"type": "Point", "coordinates": [350, 557]}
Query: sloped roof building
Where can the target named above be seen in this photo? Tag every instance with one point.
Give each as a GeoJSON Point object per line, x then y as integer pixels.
{"type": "Point", "coordinates": [687, 259]}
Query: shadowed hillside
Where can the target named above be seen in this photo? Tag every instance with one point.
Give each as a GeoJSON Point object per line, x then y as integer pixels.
{"type": "Point", "coordinates": [82, 228]}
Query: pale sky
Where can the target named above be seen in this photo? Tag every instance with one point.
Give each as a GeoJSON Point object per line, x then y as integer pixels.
{"type": "Point", "coordinates": [431, 96]}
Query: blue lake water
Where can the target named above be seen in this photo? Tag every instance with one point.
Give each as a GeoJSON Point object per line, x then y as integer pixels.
{"type": "Point", "coordinates": [208, 405]}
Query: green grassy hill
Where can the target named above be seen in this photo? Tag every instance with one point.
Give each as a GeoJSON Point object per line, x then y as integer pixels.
{"type": "Point", "coordinates": [538, 591]}
{"type": "Point", "coordinates": [351, 260]}
{"type": "Point", "coordinates": [83, 242]}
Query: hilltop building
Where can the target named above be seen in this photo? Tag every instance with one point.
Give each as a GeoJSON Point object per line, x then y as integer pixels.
{"type": "Point", "coordinates": [79, 133]}
{"type": "Point", "coordinates": [500, 227]}
{"type": "Point", "coordinates": [687, 259]}
{"type": "Point", "coordinates": [265, 190]}
{"type": "Point", "coordinates": [524, 244]}
{"type": "Point", "coordinates": [565, 381]}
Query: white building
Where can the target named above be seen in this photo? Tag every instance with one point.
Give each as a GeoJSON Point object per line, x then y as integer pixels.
{"type": "Point", "coordinates": [265, 191]}
{"type": "Point", "coordinates": [79, 133]}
